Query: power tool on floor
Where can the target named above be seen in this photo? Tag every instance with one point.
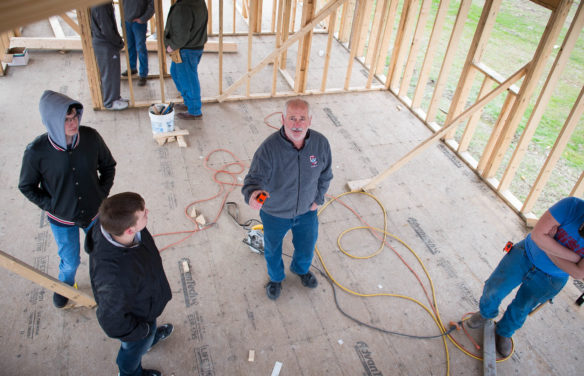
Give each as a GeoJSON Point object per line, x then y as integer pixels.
{"type": "Point", "coordinates": [255, 239]}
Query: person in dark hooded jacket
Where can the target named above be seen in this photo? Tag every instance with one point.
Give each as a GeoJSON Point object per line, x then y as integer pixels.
{"type": "Point", "coordinates": [66, 172]}
{"type": "Point", "coordinates": [128, 280]}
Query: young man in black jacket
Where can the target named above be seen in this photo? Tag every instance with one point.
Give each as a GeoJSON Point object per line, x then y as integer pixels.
{"type": "Point", "coordinates": [66, 172]}
{"type": "Point", "coordinates": [128, 280]}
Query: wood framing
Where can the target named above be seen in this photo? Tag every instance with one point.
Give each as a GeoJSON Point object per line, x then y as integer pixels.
{"type": "Point", "coordinates": [304, 47]}
{"type": "Point", "coordinates": [555, 153]}
{"type": "Point", "coordinates": [402, 42]}
{"type": "Point", "coordinates": [546, 93]}
{"type": "Point", "coordinates": [430, 52]}
{"type": "Point", "coordinates": [448, 59]}
{"type": "Point", "coordinates": [373, 182]}
{"type": "Point", "coordinates": [84, 20]}
{"type": "Point", "coordinates": [475, 53]}
{"type": "Point", "coordinates": [26, 271]}
{"type": "Point", "coordinates": [529, 85]}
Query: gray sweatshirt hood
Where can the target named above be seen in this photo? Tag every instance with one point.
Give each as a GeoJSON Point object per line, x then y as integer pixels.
{"type": "Point", "coordinates": [53, 108]}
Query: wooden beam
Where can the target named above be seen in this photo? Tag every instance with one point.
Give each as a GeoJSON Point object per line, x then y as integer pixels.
{"type": "Point", "coordinates": [72, 24]}
{"type": "Point", "coordinates": [56, 26]}
{"type": "Point", "coordinates": [545, 95]}
{"type": "Point", "coordinates": [542, 53]}
{"type": "Point", "coordinates": [436, 136]}
{"type": "Point", "coordinates": [74, 44]}
{"type": "Point", "coordinates": [209, 17]}
{"type": "Point", "coordinates": [276, 64]}
{"type": "Point", "coordinates": [492, 143]}
{"type": "Point", "coordinates": [161, 49]}
{"type": "Point", "coordinates": [24, 270]}
{"type": "Point", "coordinates": [329, 43]}
{"type": "Point", "coordinates": [16, 13]}
{"type": "Point", "coordinates": [413, 54]}
{"type": "Point", "coordinates": [381, 30]}
{"type": "Point", "coordinates": [93, 78]}
{"type": "Point", "coordinates": [386, 39]}
{"type": "Point", "coordinates": [358, 23]}
{"type": "Point", "coordinates": [578, 189]}
{"type": "Point", "coordinates": [429, 54]}
{"type": "Point", "coordinates": [550, 4]}
{"type": "Point", "coordinates": [275, 8]}
{"type": "Point", "coordinates": [323, 13]}
{"type": "Point", "coordinates": [250, 30]}
{"type": "Point", "coordinates": [220, 47]}
{"type": "Point", "coordinates": [489, 351]}
{"type": "Point", "coordinates": [475, 53]}
{"type": "Point", "coordinates": [378, 23]}
{"type": "Point", "coordinates": [449, 57]}
{"type": "Point", "coordinates": [364, 30]}
{"type": "Point", "coordinates": [474, 119]}
{"type": "Point", "coordinates": [401, 44]}
{"type": "Point", "coordinates": [346, 18]}
{"type": "Point", "coordinates": [555, 154]}
{"type": "Point", "coordinates": [304, 47]}
{"type": "Point", "coordinates": [285, 31]}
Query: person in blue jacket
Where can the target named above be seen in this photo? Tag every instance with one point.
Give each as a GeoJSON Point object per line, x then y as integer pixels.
{"type": "Point", "coordinates": [540, 265]}
{"type": "Point", "coordinates": [292, 168]}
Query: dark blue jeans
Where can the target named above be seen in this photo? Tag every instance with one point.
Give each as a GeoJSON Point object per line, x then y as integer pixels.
{"type": "Point", "coordinates": [304, 234]}
{"type": "Point", "coordinates": [136, 33]}
{"type": "Point", "coordinates": [186, 78]}
{"type": "Point", "coordinates": [515, 269]}
{"type": "Point", "coordinates": [130, 355]}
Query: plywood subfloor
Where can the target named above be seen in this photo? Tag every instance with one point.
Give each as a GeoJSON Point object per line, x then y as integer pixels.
{"type": "Point", "coordinates": [435, 204]}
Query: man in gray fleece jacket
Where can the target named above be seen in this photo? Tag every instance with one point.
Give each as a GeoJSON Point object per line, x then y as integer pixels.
{"type": "Point", "coordinates": [292, 169]}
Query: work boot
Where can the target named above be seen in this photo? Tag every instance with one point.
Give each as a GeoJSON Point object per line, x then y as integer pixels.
{"type": "Point", "coordinates": [308, 280]}
{"type": "Point", "coordinates": [125, 73]}
{"type": "Point", "coordinates": [151, 372]}
{"type": "Point", "coordinates": [188, 116]}
{"type": "Point", "coordinates": [273, 289]}
{"type": "Point", "coordinates": [180, 107]}
{"type": "Point", "coordinates": [476, 321]}
{"type": "Point", "coordinates": [504, 345]}
{"type": "Point", "coordinates": [142, 81]}
{"type": "Point", "coordinates": [59, 301]}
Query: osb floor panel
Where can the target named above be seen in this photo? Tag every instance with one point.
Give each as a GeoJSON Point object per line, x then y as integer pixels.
{"type": "Point", "coordinates": [435, 204]}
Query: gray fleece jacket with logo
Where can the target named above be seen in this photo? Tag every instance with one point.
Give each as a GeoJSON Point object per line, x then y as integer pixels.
{"type": "Point", "coordinates": [293, 178]}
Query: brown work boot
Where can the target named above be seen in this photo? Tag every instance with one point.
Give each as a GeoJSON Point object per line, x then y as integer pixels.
{"type": "Point", "coordinates": [180, 107]}
{"type": "Point", "coordinates": [187, 116]}
{"type": "Point", "coordinates": [476, 321]}
{"type": "Point", "coordinates": [504, 345]}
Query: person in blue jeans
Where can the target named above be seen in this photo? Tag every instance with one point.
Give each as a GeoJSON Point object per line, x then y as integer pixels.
{"type": "Point", "coordinates": [66, 172]}
{"type": "Point", "coordinates": [136, 16]}
{"type": "Point", "coordinates": [128, 280]}
{"type": "Point", "coordinates": [292, 169]}
{"type": "Point", "coordinates": [540, 265]}
{"type": "Point", "coordinates": [186, 32]}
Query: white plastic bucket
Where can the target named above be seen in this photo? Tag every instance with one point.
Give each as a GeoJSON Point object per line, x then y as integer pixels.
{"type": "Point", "coordinates": [161, 123]}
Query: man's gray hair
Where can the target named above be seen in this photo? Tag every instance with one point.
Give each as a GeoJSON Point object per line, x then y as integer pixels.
{"type": "Point", "coordinates": [297, 101]}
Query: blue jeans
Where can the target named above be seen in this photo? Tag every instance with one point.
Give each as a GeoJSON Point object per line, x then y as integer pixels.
{"type": "Point", "coordinates": [130, 355]}
{"type": "Point", "coordinates": [67, 239]}
{"type": "Point", "coordinates": [136, 33]}
{"type": "Point", "coordinates": [186, 79]}
{"type": "Point", "coordinates": [536, 287]}
{"type": "Point", "coordinates": [304, 234]}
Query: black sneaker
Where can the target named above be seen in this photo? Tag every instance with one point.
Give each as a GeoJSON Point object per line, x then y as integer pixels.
{"type": "Point", "coordinates": [151, 372]}
{"type": "Point", "coordinates": [308, 280]}
{"type": "Point", "coordinates": [142, 81]}
{"type": "Point", "coordinates": [125, 73]}
{"type": "Point", "coordinates": [163, 332]}
{"type": "Point", "coordinates": [273, 289]}
{"type": "Point", "coordinates": [59, 301]}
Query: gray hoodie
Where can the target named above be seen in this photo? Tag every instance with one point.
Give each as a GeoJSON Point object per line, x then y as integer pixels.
{"type": "Point", "coordinates": [53, 108]}
{"type": "Point", "coordinates": [142, 9]}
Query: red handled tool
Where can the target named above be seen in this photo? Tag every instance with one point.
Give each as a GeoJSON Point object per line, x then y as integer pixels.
{"type": "Point", "coordinates": [261, 197]}
{"type": "Point", "coordinates": [508, 246]}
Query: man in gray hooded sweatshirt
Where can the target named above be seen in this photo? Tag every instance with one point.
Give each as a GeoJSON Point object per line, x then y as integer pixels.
{"type": "Point", "coordinates": [67, 172]}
